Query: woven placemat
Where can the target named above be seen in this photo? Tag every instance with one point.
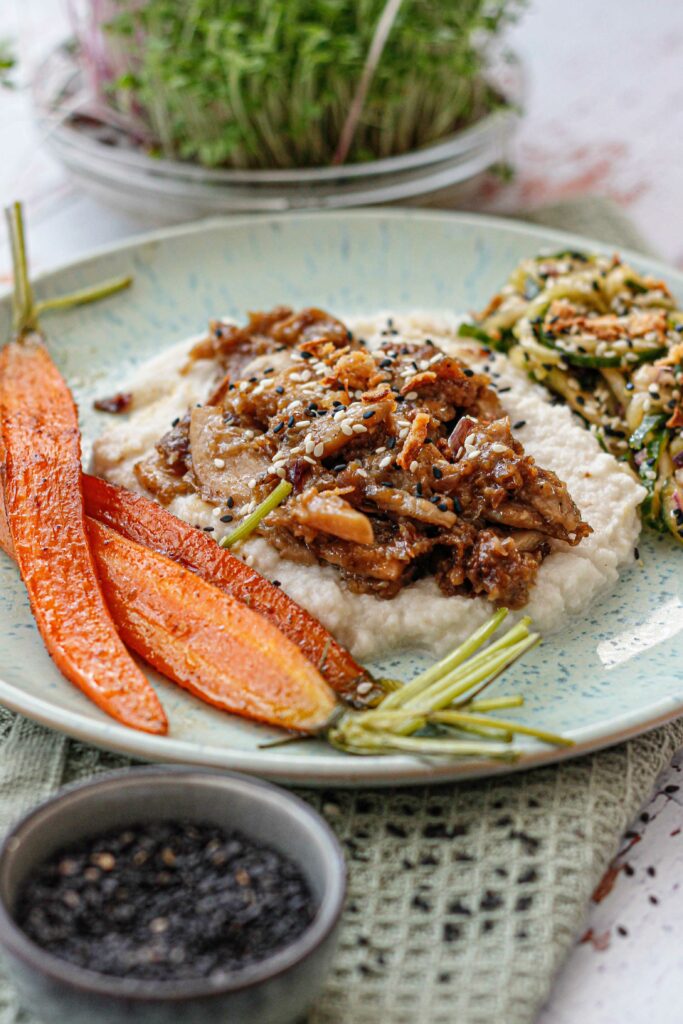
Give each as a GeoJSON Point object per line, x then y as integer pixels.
{"type": "Point", "coordinates": [463, 899]}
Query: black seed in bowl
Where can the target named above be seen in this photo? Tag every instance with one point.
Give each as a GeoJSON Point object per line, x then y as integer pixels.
{"type": "Point", "coordinates": [165, 901]}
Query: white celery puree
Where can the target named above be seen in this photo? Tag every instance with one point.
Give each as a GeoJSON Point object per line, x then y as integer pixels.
{"type": "Point", "coordinates": [420, 617]}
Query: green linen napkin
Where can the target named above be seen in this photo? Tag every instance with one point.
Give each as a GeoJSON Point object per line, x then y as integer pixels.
{"type": "Point", "coordinates": [463, 899]}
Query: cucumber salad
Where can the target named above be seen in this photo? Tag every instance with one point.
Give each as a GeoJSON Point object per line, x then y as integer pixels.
{"type": "Point", "coordinates": [608, 341]}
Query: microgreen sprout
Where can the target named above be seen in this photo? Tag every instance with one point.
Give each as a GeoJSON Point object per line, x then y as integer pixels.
{"type": "Point", "coordinates": [252, 521]}
{"type": "Point", "coordinates": [290, 83]}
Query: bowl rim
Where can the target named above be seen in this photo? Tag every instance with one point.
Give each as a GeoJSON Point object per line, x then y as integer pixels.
{"type": "Point", "coordinates": [94, 983]}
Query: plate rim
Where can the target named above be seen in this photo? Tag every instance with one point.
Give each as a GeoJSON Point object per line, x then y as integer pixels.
{"type": "Point", "coordinates": [400, 770]}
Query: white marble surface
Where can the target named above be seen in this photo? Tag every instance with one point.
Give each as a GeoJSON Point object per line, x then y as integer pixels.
{"type": "Point", "coordinates": [604, 116]}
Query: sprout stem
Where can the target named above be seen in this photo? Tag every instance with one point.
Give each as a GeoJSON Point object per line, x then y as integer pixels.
{"type": "Point", "coordinates": [252, 521]}
{"type": "Point", "coordinates": [459, 718]}
{"type": "Point", "coordinates": [379, 743]}
{"type": "Point", "coordinates": [23, 307]}
{"type": "Point", "coordinates": [486, 664]}
{"type": "Point", "coordinates": [436, 672]}
{"type": "Point", "coordinates": [85, 295]}
{"type": "Point", "coordinates": [493, 703]}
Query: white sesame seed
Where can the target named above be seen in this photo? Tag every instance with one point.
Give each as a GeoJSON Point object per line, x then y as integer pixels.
{"type": "Point", "coordinates": [318, 450]}
{"type": "Point", "coordinates": [498, 448]}
{"type": "Point", "coordinates": [378, 451]}
{"type": "Point", "coordinates": [249, 434]}
{"type": "Point", "coordinates": [414, 466]}
{"type": "Point", "coordinates": [302, 423]}
{"type": "Point", "coordinates": [361, 472]}
{"type": "Point", "coordinates": [307, 458]}
{"type": "Point", "coordinates": [359, 428]}
{"type": "Point", "coordinates": [363, 688]}
{"type": "Point", "coordinates": [411, 396]}
{"type": "Point", "coordinates": [219, 463]}
{"type": "Point", "coordinates": [386, 461]}
{"type": "Point", "coordinates": [310, 445]}
{"type": "Point", "coordinates": [244, 385]}
{"type": "Point", "coordinates": [281, 472]}
{"type": "Point", "coordinates": [252, 483]}
{"type": "Point", "coordinates": [216, 511]}
{"type": "Point", "coordinates": [404, 432]}
{"type": "Point", "coordinates": [346, 428]}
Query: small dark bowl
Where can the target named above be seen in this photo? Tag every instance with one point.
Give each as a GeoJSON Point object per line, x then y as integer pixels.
{"type": "Point", "coordinates": [275, 991]}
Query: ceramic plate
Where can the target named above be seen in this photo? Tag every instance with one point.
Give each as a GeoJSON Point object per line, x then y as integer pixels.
{"type": "Point", "coordinates": [610, 674]}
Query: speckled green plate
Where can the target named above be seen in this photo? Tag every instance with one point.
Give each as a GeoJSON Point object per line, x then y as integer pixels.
{"type": "Point", "coordinates": [612, 673]}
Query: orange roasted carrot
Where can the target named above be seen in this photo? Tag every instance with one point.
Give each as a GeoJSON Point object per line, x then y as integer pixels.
{"type": "Point", "coordinates": [46, 520]}
{"type": "Point", "coordinates": [206, 640]}
{"type": "Point", "coordinates": [146, 522]}
{"type": "Point", "coordinates": [201, 638]}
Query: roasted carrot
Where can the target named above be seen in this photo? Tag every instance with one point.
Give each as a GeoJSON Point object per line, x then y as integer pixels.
{"type": "Point", "coordinates": [201, 638]}
{"type": "Point", "coordinates": [146, 522]}
{"type": "Point", "coordinates": [204, 639]}
{"type": "Point", "coordinates": [46, 519]}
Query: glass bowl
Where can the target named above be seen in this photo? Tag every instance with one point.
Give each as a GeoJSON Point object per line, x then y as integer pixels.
{"type": "Point", "coordinates": [104, 162]}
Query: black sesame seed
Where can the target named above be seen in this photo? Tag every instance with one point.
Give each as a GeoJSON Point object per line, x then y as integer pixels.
{"type": "Point", "coordinates": [252, 380]}
{"type": "Point", "coordinates": [438, 473]}
{"type": "Point", "coordinates": [279, 390]}
{"type": "Point", "coordinates": [501, 391]}
{"type": "Point", "coordinates": [386, 363]}
{"type": "Point", "coordinates": [176, 421]}
{"type": "Point", "coordinates": [291, 421]}
{"type": "Point", "coordinates": [279, 427]}
{"type": "Point", "coordinates": [468, 372]}
{"type": "Point", "coordinates": [208, 529]}
{"type": "Point", "coordinates": [369, 414]}
{"type": "Point", "coordinates": [519, 424]}
{"type": "Point", "coordinates": [340, 468]}
{"type": "Point", "coordinates": [230, 502]}
{"type": "Point", "coordinates": [306, 355]}
{"type": "Point", "coordinates": [443, 506]}
{"type": "Point", "coordinates": [457, 507]}
{"type": "Point", "coordinates": [227, 519]}
{"type": "Point", "coordinates": [391, 443]}
{"type": "Point", "coordinates": [169, 900]}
